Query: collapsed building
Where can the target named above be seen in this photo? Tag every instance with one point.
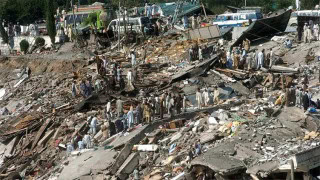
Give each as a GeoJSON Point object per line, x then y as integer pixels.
{"type": "Point", "coordinates": [247, 135]}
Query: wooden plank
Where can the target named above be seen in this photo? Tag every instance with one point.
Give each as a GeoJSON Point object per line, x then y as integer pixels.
{"type": "Point", "coordinates": [231, 71]}
{"type": "Point", "coordinates": [46, 137]}
{"type": "Point", "coordinates": [40, 132]}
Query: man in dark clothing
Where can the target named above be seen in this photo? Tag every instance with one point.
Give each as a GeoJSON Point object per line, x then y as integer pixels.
{"type": "Point", "coordinates": [138, 114]}
{"type": "Point", "coordinates": [119, 125]}
{"type": "Point", "coordinates": [122, 84]}
{"type": "Point", "coordinates": [318, 103]}
{"type": "Point", "coordinates": [178, 104]}
{"type": "Point", "coordinates": [305, 101]}
{"type": "Point", "coordinates": [161, 108]}
{"type": "Point", "coordinates": [112, 128]}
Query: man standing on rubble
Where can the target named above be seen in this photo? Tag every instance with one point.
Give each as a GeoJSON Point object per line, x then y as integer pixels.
{"type": "Point", "coordinates": [206, 98]}
{"type": "Point", "coordinates": [74, 89]}
{"type": "Point", "coordinates": [309, 34]}
{"type": "Point", "coordinates": [89, 88]}
{"type": "Point", "coordinates": [298, 97]}
{"type": "Point", "coordinates": [87, 141]}
{"type": "Point", "coordinates": [216, 94]}
{"type": "Point", "coordinates": [305, 82]}
{"type": "Point", "coordinates": [271, 58]}
{"type": "Point", "coordinates": [316, 31]}
{"type": "Point", "coordinates": [178, 104]}
{"type": "Point", "coordinates": [305, 33]}
{"type": "Point", "coordinates": [161, 106]}
{"type": "Point", "coordinates": [193, 22]}
{"type": "Point", "coordinates": [157, 105]}
{"type": "Point", "coordinates": [97, 85]}
{"type": "Point", "coordinates": [105, 130]}
{"type": "Point", "coordinates": [119, 104]}
{"type": "Point", "coordinates": [146, 112]}
{"type": "Point", "coordinates": [260, 59]}
{"type": "Point", "coordinates": [246, 44]}
{"type": "Point", "coordinates": [130, 117]}
{"type": "Point", "coordinates": [236, 58]}
{"type": "Point", "coordinates": [255, 58]}
{"type": "Point", "coordinates": [107, 112]}
{"type": "Point", "coordinates": [185, 22]}
{"type": "Point", "coordinates": [133, 59]}
{"type": "Point", "coordinates": [172, 107]}
{"type": "Point", "coordinates": [243, 58]}
{"type": "Point", "coordinates": [250, 57]}
{"type": "Point", "coordinates": [184, 103]}
{"type": "Point", "coordinates": [118, 74]}
{"type": "Point", "coordinates": [138, 114]}
{"type": "Point", "coordinates": [199, 98]}
{"type": "Point", "coordinates": [199, 20]}
{"type": "Point", "coordinates": [83, 88]}
{"type": "Point", "coordinates": [164, 97]}
{"type": "Point", "coordinates": [229, 60]}
{"type": "Point", "coordinates": [159, 25]}
{"type": "Point", "coordinates": [93, 126]}
{"type": "Point", "coordinates": [168, 97]}
{"type": "Point", "coordinates": [305, 101]}
{"type": "Point", "coordinates": [130, 79]}
{"type": "Point", "coordinates": [191, 53]}
{"type": "Point", "coordinates": [200, 53]}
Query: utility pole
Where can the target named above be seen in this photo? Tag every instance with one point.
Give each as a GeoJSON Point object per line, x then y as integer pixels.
{"type": "Point", "coordinates": [73, 16]}
{"type": "Point", "coordinates": [118, 20]}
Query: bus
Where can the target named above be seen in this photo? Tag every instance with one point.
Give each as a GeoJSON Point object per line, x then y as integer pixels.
{"type": "Point", "coordinates": [239, 19]}
{"type": "Point", "coordinates": [135, 23]}
{"type": "Point", "coordinates": [294, 16]}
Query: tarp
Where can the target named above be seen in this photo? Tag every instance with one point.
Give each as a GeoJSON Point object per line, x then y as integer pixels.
{"type": "Point", "coordinates": [265, 27]}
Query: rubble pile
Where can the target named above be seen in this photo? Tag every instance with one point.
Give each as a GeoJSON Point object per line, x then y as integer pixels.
{"type": "Point", "coordinates": [94, 122]}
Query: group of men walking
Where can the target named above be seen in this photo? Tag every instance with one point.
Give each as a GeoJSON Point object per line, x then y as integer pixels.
{"type": "Point", "coordinates": [310, 32]}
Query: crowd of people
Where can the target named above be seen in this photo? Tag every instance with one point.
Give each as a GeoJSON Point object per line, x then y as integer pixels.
{"type": "Point", "coordinates": [310, 32]}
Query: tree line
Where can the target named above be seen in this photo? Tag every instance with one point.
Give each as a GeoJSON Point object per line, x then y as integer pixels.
{"type": "Point", "coordinates": [28, 11]}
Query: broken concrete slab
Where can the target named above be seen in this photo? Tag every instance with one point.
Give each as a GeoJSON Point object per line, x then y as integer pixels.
{"type": "Point", "coordinates": [263, 168]}
{"type": "Point", "coordinates": [223, 164]}
{"type": "Point", "coordinates": [84, 163]}
{"type": "Point", "coordinates": [128, 166]}
{"type": "Point", "coordinates": [293, 118]}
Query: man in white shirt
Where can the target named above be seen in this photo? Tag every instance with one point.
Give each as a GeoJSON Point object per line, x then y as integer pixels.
{"type": "Point", "coordinates": [260, 59]}
{"type": "Point", "coordinates": [199, 98]}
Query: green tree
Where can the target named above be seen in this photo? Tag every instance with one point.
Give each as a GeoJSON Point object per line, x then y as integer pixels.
{"type": "Point", "coordinates": [3, 33]}
{"type": "Point", "coordinates": [24, 46]}
{"type": "Point", "coordinates": [91, 20]}
{"type": "Point", "coordinates": [51, 28]}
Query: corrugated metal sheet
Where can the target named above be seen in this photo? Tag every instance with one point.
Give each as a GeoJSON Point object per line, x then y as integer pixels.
{"type": "Point", "coordinates": [265, 27]}
{"type": "Point", "coordinates": [205, 32]}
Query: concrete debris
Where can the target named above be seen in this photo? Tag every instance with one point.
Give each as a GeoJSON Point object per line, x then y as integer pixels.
{"type": "Point", "coordinates": [171, 102]}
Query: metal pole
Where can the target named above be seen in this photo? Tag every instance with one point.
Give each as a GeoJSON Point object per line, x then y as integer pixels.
{"type": "Point", "coordinates": [292, 169]}
{"type": "Point", "coordinates": [73, 16]}
{"type": "Point", "coordinates": [245, 3]}
{"type": "Point", "coordinates": [119, 27]}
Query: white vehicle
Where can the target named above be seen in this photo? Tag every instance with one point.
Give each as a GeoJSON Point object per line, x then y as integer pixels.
{"type": "Point", "coordinates": [293, 21]}
{"type": "Point", "coordinates": [237, 19]}
{"type": "Point", "coordinates": [134, 23]}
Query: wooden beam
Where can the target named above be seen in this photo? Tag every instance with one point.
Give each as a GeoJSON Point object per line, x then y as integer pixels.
{"type": "Point", "coordinates": [40, 132]}
{"type": "Point", "coordinates": [231, 71]}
